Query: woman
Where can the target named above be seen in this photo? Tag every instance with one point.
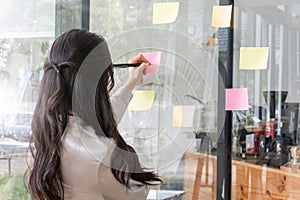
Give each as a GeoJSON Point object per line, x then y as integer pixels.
{"type": "Point", "coordinates": [77, 150]}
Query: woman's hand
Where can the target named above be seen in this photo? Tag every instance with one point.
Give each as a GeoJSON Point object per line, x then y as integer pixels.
{"type": "Point", "coordinates": [136, 73]}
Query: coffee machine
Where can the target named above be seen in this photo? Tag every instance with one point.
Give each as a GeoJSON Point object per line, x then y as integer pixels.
{"type": "Point", "coordinates": [290, 123]}
{"type": "Point", "coordinates": [281, 128]}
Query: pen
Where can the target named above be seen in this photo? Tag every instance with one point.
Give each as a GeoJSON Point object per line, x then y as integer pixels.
{"type": "Point", "coordinates": [125, 65]}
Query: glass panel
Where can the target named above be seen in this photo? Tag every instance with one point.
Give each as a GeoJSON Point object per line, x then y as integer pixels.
{"type": "Point", "coordinates": [264, 134]}
{"type": "Point", "coordinates": [67, 15]}
{"type": "Point", "coordinates": [27, 31]}
{"type": "Point", "coordinates": [187, 77]}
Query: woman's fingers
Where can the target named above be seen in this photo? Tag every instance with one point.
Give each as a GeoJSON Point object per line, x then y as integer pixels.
{"type": "Point", "coordinates": [138, 59]}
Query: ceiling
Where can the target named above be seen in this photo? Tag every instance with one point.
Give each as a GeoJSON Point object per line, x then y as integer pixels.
{"type": "Point", "coordinates": [286, 12]}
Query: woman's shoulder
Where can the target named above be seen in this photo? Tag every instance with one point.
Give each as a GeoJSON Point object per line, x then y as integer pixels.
{"type": "Point", "coordinates": [82, 139]}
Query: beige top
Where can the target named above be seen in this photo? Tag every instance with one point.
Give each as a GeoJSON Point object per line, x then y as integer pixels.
{"type": "Point", "coordinates": [85, 159]}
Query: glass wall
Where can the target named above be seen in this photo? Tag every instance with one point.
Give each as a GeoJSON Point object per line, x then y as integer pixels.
{"type": "Point", "coordinates": [180, 118]}
{"type": "Point", "coordinates": [175, 128]}
{"type": "Point", "coordinates": [185, 85]}
{"type": "Point", "coordinates": [266, 62]}
{"type": "Point", "coordinates": [28, 29]}
{"type": "Point", "coordinates": [25, 36]}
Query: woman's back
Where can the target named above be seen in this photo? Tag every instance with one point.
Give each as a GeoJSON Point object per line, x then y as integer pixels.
{"type": "Point", "coordinates": [85, 160]}
{"type": "Point", "coordinates": [83, 157]}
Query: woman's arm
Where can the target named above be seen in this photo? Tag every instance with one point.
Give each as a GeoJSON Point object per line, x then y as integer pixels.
{"type": "Point", "coordinates": [120, 99]}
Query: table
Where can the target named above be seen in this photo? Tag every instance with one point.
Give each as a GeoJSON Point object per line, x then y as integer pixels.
{"type": "Point", "coordinates": [165, 195]}
{"type": "Point", "coordinates": [249, 181]}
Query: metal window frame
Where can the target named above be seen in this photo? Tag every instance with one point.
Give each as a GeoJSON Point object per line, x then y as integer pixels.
{"type": "Point", "coordinates": [85, 14]}
{"type": "Point", "coordinates": [224, 148]}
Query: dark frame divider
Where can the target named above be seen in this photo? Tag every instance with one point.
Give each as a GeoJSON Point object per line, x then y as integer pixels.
{"type": "Point", "coordinates": [85, 14]}
{"type": "Point", "coordinates": [224, 144]}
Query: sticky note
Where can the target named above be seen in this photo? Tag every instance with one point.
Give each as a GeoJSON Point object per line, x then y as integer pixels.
{"type": "Point", "coordinates": [252, 58]}
{"type": "Point", "coordinates": [236, 99]}
{"type": "Point", "coordinates": [154, 59]}
{"type": "Point", "coordinates": [164, 13]}
{"type": "Point", "coordinates": [141, 100]}
{"type": "Point", "coordinates": [183, 116]}
{"type": "Point", "coordinates": [221, 16]}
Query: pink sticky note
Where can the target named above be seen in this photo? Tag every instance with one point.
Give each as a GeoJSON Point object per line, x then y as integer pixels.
{"type": "Point", "coordinates": [154, 59]}
{"type": "Point", "coordinates": [236, 99]}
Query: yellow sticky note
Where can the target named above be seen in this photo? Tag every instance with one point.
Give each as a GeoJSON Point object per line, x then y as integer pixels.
{"type": "Point", "coordinates": [183, 116]}
{"type": "Point", "coordinates": [164, 13]}
{"type": "Point", "coordinates": [141, 100]}
{"type": "Point", "coordinates": [221, 16]}
{"type": "Point", "coordinates": [252, 58]}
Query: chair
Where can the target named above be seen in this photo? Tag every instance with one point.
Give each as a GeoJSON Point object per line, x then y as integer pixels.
{"type": "Point", "coordinates": [205, 163]}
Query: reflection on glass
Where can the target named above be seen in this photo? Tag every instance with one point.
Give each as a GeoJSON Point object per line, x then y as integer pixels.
{"type": "Point", "coordinates": [27, 31]}
{"type": "Point", "coordinates": [270, 127]}
{"type": "Point", "coordinates": [188, 67]}
{"type": "Point", "coordinates": [25, 37]}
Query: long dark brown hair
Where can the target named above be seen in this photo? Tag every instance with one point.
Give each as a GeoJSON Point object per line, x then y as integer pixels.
{"type": "Point", "coordinates": [66, 91]}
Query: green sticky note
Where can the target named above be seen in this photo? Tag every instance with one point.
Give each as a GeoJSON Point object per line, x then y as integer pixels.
{"type": "Point", "coordinates": [141, 100]}
{"type": "Point", "coordinates": [252, 58]}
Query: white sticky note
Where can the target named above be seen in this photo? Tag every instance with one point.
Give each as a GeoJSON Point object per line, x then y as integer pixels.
{"type": "Point", "coordinates": [252, 58]}
{"type": "Point", "coordinates": [221, 16]}
{"type": "Point", "coordinates": [141, 100]}
{"type": "Point", "coordinates": [164, 13]}
{"type": "Point", "coordinates": [183, 116]}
